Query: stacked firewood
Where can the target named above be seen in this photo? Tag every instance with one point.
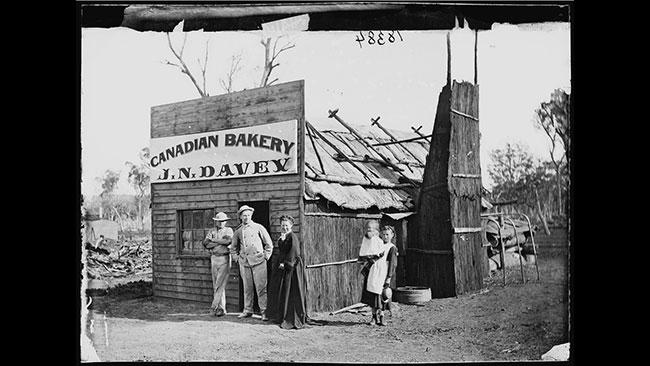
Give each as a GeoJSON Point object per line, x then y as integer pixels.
{"type": "Point", "coordinates": [119, 259]}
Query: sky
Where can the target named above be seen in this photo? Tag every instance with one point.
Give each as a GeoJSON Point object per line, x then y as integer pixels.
{"type": "Point", "coordinates": [123, 75]}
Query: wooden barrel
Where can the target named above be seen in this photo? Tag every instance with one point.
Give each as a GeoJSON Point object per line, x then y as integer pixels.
{"type": "Point", "coordinates": [412, 295]}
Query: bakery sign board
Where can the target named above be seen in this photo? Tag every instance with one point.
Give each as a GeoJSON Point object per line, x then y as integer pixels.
{"type": "Point", "coordinates": [252, 151]}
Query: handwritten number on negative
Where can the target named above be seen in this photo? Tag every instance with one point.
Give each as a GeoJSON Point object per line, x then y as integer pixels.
{"type": "Point", "coordinates": [360, 39]}
{"type": "Point", "coordinates": [380, 40]}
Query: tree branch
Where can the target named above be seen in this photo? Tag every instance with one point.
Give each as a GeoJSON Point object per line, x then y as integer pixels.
{"type": "Point", "coordinates": [270, 55]}
{"type": "Point", "coordinates": [184, 42]}
{"type": "Point", "coordinates": [205, 64]}
{"type": "Point", "coordinates": [275, 44]}
{"type": "Point", "coordinates": [167, 62]}
{"type": "Point", "coordinates": [234, 68]}
{"type": "Point", "coordinates": [183, 66]}
{"type": "Point", "coordinates": [275, 55]}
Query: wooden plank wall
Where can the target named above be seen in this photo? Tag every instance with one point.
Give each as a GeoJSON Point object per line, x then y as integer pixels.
{"type": "Point", "coordinates": [470, 259]}
{"type": "Point", "coordinates": [430, 260]}
{"type": "Point", "coordinates": [188, 277]}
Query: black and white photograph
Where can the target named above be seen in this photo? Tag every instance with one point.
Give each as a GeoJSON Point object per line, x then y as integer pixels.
{"type": "Point", "coordinates": [326, 182]}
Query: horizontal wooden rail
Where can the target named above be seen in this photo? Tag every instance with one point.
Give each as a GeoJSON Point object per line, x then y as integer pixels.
{"type": "Point", "coordinates": [464, 114]}
{"type": "Point", "coordinates": [361, 216]}
{"type": "Point", "coordinates": [463, 230]}
{"type": "Point", "coordinates": [332, 263]}
{"type": "Point", "coordinates": [459, 175]}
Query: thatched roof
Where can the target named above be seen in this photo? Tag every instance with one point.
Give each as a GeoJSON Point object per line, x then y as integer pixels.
{"type": "Point", "coordinates": [367, 181]}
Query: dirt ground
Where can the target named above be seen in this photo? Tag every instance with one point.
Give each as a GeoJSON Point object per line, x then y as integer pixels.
{"type": "Point", "coordinates": [516, 322]}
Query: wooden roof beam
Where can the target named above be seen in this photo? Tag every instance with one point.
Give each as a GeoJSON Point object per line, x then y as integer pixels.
{"type": "Point", "coordinates": [338, 151]}
{"type": "Point", "coordinates": [332, 114]}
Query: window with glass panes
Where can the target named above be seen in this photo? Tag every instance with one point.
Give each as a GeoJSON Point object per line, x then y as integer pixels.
{"type": "Point", "coordinates": [194, 226]}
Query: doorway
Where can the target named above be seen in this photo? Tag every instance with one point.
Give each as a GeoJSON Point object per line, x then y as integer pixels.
{"type": "Point", "coordinates": [262, 216]}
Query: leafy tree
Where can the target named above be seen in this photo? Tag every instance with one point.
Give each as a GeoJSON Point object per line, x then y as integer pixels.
{"type": "Point", "coordinates": [109, 182]}
{"type": "Point", "coordinates": [509, 166]}
{"type": "Point", "coordinates": [553, 117]}
{"type": "Point", "coordinates": [139, 179]}
{"type": "Point", "coordinates": [519, 177]}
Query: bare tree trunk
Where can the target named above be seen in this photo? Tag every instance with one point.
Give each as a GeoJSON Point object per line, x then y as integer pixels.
{"type": "Point", "coordinates": [270, 55]}
{"type": "Point", "coordinates": [268, 65]}
{"type": "Point", "coordinates": [141, 219]}
{"type": "Point", "coordinates": [559, 193]}
{"type": "Point", "coordinates": [119, 218]}
{"type": "Point", "coordinates": [183, 67]}
{"type": "Point", "coordinates": [539, 214]}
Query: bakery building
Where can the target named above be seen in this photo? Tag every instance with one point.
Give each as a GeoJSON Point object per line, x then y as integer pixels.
{"type": "Point", "coordinates": [255, 148]}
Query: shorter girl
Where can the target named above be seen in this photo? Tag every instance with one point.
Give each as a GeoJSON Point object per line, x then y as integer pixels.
{"type": "Point", "coordinates": [390, 257]}
{"type": "Point", "coordinates": [374, 269]}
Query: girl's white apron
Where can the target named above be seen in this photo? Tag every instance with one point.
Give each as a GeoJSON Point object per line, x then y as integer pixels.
{"type": "Point", "coordinates": [378, 271]}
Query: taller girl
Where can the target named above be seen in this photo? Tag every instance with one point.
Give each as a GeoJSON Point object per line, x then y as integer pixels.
{"type": "Point", "coordinates": [374, 253]}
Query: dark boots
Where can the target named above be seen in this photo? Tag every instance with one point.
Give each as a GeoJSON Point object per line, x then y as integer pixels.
{"type": "Point", "coordinates": [380, 318]}
{"type": "Point", "coordinates": [373, 320]}
{"type": "Point", "coordinates": [377, 318]}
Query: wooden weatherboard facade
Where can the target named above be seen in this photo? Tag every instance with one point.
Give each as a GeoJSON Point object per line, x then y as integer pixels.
{"type": "Point", "coordinates": [185, 274]}
{"type": "Point", "coordinates": [445, 246]}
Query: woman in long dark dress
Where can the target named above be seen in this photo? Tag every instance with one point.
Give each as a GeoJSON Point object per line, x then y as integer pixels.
{"type": "Point", "coordinates": [292, 307]}
{"type": "Point", "coordinates": [273, 284]}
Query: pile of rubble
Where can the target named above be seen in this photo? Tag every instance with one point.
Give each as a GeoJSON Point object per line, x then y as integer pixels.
{"type": "Point", "coordinates": [114, 259]}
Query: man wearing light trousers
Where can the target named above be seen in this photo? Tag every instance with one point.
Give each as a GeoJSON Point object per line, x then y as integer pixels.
{"type": "Point", "coordinates": [252, 247]}
{"type": "Point", "coordinates": [217, 241]}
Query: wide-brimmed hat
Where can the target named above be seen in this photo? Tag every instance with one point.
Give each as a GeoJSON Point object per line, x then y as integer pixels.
{"type": "Point", "coordinates": [245, 208]}
{"type": "Point", "coordinates": [220, 217]}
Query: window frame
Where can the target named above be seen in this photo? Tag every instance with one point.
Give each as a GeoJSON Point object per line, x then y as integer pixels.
{"type": "Point", "coordinates": [180, 214]}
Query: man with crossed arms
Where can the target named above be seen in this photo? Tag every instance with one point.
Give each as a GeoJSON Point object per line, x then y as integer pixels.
{"type": "Point", "coordinates": [252, 247]}
{"type": "Point", "coordinates": [216, 242]}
